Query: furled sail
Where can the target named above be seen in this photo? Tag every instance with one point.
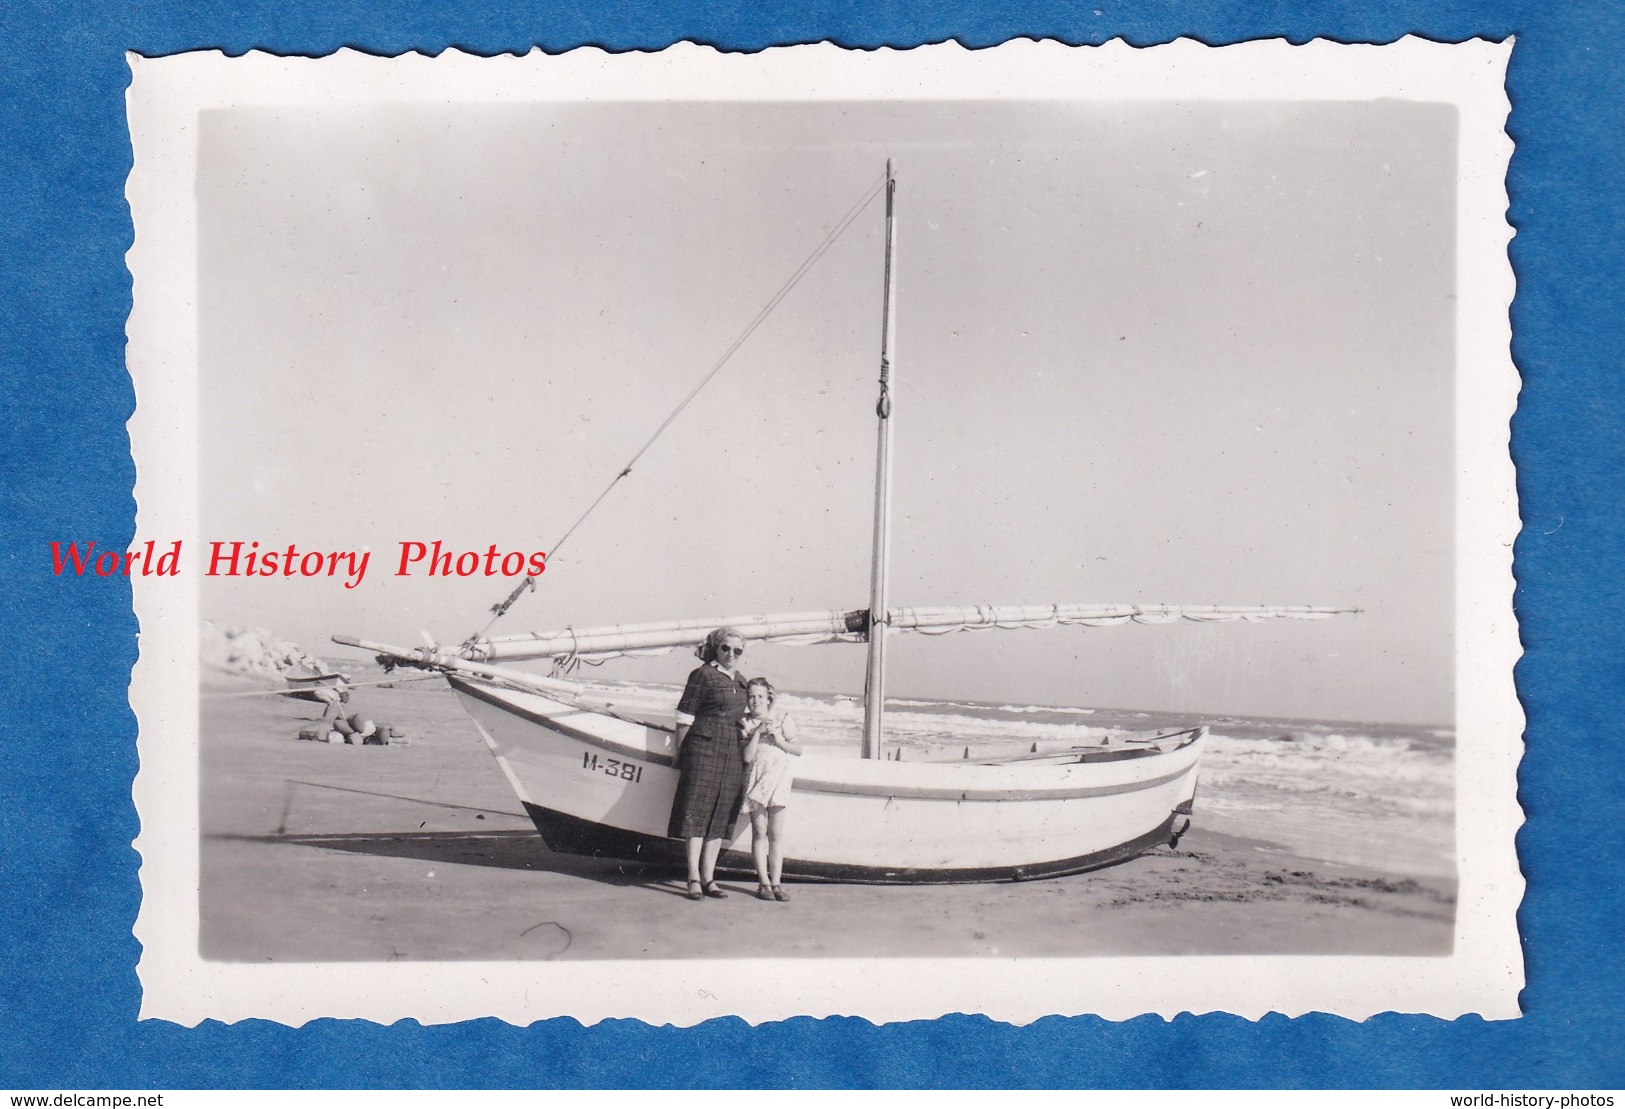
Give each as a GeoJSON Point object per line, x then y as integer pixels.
{"type": "Point", "coordinates": [852, 626]}
{"type": "Point", "coordinates": [977, 617]}
{"type": "Point", "coordinates": [628, 639]}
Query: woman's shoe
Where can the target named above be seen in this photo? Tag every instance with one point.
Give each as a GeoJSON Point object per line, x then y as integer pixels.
{"type": "Point", "coordinates": [693, 893]}
{"type": "Point", "coordinates": [779, 894]}
{"type": "Point", "coordinates": [764, 893]}
{"type": "Point", "coordinates": [714, 890]}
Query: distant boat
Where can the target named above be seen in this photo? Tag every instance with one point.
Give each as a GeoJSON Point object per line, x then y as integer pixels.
{"type": "Point", "coordinates": [320, 688]}
{"type": "Point", "coordinates": [597, 780]}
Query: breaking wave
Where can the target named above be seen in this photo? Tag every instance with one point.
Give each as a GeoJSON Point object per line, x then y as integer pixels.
{"type": "Point", "coordinates": [1379, 795]}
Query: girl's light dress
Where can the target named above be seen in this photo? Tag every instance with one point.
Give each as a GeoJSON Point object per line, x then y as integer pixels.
{"type": "Point", "coordinates": [771, 773]}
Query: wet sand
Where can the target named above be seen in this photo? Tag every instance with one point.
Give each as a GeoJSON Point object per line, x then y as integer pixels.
{"type": "Point", "coordinates": [314, 852]}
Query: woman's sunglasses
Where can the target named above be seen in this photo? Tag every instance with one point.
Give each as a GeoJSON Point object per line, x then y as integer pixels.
{"type": "Point", "coordinates": [734, 651]}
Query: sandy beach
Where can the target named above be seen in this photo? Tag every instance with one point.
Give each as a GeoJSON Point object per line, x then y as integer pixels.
{"type": "Point", "coordinates": [312, 852]}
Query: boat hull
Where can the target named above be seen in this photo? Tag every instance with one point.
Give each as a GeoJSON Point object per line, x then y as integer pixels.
{"type": "Point", "coordinates": [574, 836]}
{"type": "Point", "coordinates": [321, 688]}
{"type": "Point", "coordinates": [602, 785]}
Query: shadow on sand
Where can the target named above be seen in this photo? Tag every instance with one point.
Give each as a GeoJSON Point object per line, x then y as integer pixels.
{"type": "Point", "coordinates": [402, 797]}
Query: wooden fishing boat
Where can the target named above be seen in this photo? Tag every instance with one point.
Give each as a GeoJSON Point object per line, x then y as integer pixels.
{"type": "Point", "coordinates": [316, 687]}
{"type": "Point", "coordinates": [597, 784]}
{"type": "Point", "coordinates": [599, 780]}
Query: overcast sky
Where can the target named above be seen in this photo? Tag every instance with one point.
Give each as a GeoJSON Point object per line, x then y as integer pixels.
{"type": "Point", "coordinates": [1165, 353]}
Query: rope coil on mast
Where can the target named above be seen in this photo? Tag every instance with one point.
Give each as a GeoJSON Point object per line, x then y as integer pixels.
{"type": "Point", "coordinates": [500, 609]}
{"type": "Point", "coordinates": [883, 405]}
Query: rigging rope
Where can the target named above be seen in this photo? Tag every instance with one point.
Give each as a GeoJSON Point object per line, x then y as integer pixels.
{"type": "Point", "coordinates": [501, 609]}
{"type": "Point", "coordinates": [291, 691]}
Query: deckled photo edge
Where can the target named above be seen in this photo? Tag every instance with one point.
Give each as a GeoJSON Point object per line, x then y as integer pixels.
{"type": "Point", "coordinates": [180, 986]}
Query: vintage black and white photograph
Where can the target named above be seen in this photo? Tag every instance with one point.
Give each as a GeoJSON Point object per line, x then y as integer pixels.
{"type": "Point", "coordinates": [755, 533]}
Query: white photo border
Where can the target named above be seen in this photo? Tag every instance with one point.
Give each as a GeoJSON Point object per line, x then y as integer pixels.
{"type": "Point", "coordinates": [1484, 973]}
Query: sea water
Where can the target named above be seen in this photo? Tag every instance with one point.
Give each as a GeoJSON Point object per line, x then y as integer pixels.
{"type": "Point", "coordinates": [1365, 794]}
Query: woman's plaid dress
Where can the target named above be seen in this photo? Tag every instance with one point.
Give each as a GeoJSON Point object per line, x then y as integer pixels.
{"type": "Point", "coordinates": [711, 786]}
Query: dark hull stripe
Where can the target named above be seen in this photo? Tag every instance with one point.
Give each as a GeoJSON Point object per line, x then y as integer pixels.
{"type": "Point", "coordinates": [572, 835]}
{"type": "Point", "coordinates": [851, 789]}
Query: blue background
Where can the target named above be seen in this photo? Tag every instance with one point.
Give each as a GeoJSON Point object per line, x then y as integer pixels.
{"type": "Point", "coordinates": [68, 876]}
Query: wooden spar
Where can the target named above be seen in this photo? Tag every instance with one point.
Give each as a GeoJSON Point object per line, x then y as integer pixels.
{"type": "Point", "coordinates": [850, 626]}
{"type": "Point", "coordinates": [677, 632]}
{"type": "Point", "coordinates": [819, 627]}
{"type": "Point", "coordinates": [874, 685]}
{"type": "Point", "coordinates": [438, 659]}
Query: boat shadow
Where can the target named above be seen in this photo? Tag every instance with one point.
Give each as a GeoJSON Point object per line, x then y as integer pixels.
{"type": "Point", "coordinates": [517, 849]}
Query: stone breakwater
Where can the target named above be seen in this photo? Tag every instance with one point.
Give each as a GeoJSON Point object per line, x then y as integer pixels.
{"type": "Point", "coordinates": [254, 653]}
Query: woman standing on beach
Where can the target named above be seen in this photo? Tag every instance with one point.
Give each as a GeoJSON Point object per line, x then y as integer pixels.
{"type": "Point", "coordinates": [711, 783]}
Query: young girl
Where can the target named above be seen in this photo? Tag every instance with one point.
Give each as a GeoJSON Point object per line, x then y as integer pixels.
{"type": "Point", "coordinates": [770, 742]}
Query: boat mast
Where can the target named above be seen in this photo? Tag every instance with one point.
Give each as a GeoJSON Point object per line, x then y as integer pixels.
{"type": "Point", "coordinates": [874, 686]}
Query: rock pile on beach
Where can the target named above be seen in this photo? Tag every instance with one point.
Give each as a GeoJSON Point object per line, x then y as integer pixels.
{"type": "Point", "coordinates": [254, 653]}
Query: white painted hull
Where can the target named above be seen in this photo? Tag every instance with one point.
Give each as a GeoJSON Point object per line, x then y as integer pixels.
{"type": "Point", "coordinates": [601, 785]}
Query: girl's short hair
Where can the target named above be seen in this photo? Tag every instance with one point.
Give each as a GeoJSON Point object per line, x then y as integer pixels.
{"type": "Point", "coordinates": [707, 650]}
{"type": "Point", "coordinates": [762, 683]}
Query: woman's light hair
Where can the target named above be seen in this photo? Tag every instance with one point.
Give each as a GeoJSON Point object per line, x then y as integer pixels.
{"type": "Point", "coordinates": [714, 639]}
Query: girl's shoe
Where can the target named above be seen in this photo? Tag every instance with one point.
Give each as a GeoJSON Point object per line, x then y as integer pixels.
{"type": "Point", "coordinates": [714, 890]}
{"type": "Point", "coordinates": [779, 894]}
{"type": "Point", "coordinates": [693, 893]}
{"type": "Point", "coordinates": [764, 893]}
